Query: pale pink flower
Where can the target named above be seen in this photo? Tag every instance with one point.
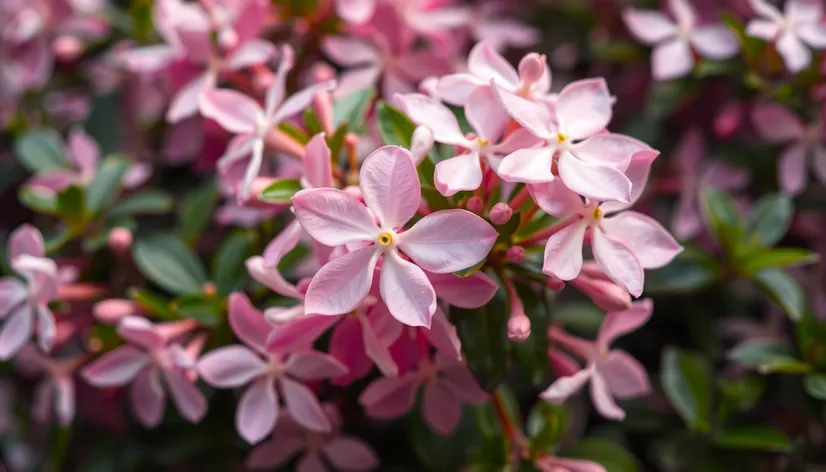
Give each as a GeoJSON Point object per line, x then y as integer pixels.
{"type": "Point", "coordinates": [532, 80]}
{"type": "Point", "coordinates": [322, 451]}
{"type": "Point", "coordinates": [558, 464]}
{"type": "Point", "coordinates": [623, 244]}
{"type": "Point", "coordinates": [613, 372]}
{"type": "Point", "coordinates": [54, 396]}
{"type": "Point", "coordinates": [488, 23]}
{"type": "Point", "coordinates": [779, 125]}
{"type": "Point", "coordinates": [242, 115]}
{"type": "Point", "coordinates": [25, 305]}
{"type": "Point", "coordinates": [489, 121]}
{"type": "Point", "coordinates": [588, 161]}
{"type": "Point", "coordinates": [268, 375]}
{"type": "Point", "coordinates": [153, 362]}
{"type": "Point", "coordinates": [445, 382]}
{"type": "Point", "coordinates": [441, 242]}
{"type": "Point", "coordinates": [673, 42]}
{"type": "Point", "coordinates": [356, 12]}
{"type": "Point", "coordinates": [799, 25]}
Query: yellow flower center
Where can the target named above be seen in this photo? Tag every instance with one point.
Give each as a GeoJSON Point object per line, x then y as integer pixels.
{"type": "Point", "coordinates": [597, 214]}
{"type": "Point", "coordinates": [561, 137]}
{"type": "Point", "coordinates": [482, 142]}
{"type": "Point", "coordinates": [385, 239]}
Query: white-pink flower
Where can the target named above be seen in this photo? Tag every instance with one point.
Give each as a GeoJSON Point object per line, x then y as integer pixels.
{"type": "Point", "coordinates": [54, 395]}
{"type": "Point", "coordinates": [441, 242]}
{"type": "Point", "coordinates": [623, 244]}
{"type": "Point", "coordinates": [799, 25]}
{"type": "Point", "coordinates": [612, 372]}
{"type": "Point", "coordinates": [673, 42]}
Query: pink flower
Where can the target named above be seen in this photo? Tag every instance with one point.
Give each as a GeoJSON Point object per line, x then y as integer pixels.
{"type": "Point", "coordinates": [237, 365]}
{"type": "Point", "coordinates": [779, 125]}
{"type": "Point", "coordinates": [342, 452]}
{"type": "Point", "coordinates": [623, 245]}
{"type": "Point", "coordinates": [446, 383]}
{"type": "Point", "coordinates": [532, 80]}
{"type": "Point", "coordinates": [25, 305]}
{"type": "Point", "coordinates": [588, 161]}
{"type": "Point", "coordinates": [464, 172]}
{"type": "Point", "coordinates": [612, 372]}
{"type": "Point", "coordinates": [557, 464]}
{"type": "Point", "coordinates": [240, 114]}
{"type": "Point", "coordinates": [55, 394]}
{"type": "Point", "coordinates": [799, 25]}
{"type": "Point", "coordinates": [489, 24]}
{"type": "Point", "coordinates": [152, 362]}
{"type": "Point", "coordinates": [355, 11]}
{"type": "Point", "coordinates": [672, 56]}
{"type": "Point", "coordinates": [441, 242]}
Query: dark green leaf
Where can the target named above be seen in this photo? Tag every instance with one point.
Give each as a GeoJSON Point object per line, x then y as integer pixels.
{"type": "Point", "coordinates": [743, 393]}
{"type": "Point", "coordinates": [40, 150]}
{"type": "Point", "coordinates": [336, 142]}
{"type": "Point", "coordinates": [758, 437]}
{"type": "Point", "coordinates": [105, 184]}
{"type": "Point", "coordinates": [281, 191]}
{"type": "Point", "coordinates": [769, 219]}
{"type": "Point", "coordinates": [311, 122]}
{"type": "Point", "coordinates": [611, 455]}
{"type": "Point", "coordinates": [167, 261]}
{"type": "Point", "coordinates": [394, 126]}
{"type": "Point", "coordinates": [70, 205]}
{"type": "Point", "coordinates": [464, 273]}
{"type": "Point", "coordinates": [686, 381]}
{"type": "Point", "coordinates": [228, 270]}
{"type": "Point", "coordinates": [777, 257]}
{"type": "Point", "coordinates": [546, 426]}
{"type": "Point", "coordinates": [353, 108]}
{"type": "Point", "coordinates": [816, 386]}
{"type": "Point", "coordinates": [582, 317]}
{"type": "Point", "coordinates": [682, 275]}
{"type": "Point", "coordinates": [709, 68]}
{"type": "Point", "coordinates": [153, 304]}
{"type": "Point", "coordinates": [149, 201]}
{"type": "Point", "coordinates": [766, 356]}
{"type": "Point", "coordinates": [196, 211]}
{"type": "Point", "coordinates": [784, 290]}
{"type": "Point", "coordinates": [484, 336]}
{"type": "Point", "coordinates": [206, 310]}
{"type": "Point", "coordinates": [37, 201]}
{"type": "Point", "coordinates": [722, 218]}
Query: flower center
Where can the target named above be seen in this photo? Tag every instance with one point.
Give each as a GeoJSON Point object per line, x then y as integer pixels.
{"type": "Point", "coordinates": [385, 239]}
{"type": "Point", "coordinates": [597, 214]}
{"type": "Point", "coordinates": [482, 142]}
{"type": "Point", "coordinates": [561, 138]}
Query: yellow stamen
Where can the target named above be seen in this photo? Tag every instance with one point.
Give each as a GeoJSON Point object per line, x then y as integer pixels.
{"type": "Point", "coordinates": [482, 141]}
{"type": "Point", "coordinates": [561, 137]}
{"type": "Point", "coordinates": [597, 213]}
{"type": "Point", "coordinates": [385, 239]}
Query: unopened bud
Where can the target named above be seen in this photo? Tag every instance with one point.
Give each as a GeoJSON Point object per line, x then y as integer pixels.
{"type": "Point", "coordinates": [555, 284]}
{"type": "Point", "coordinates": [605, 294]}
{"type": "Point", "coordinates": [500, 213]}
{"type": "Point", "coordinates": [515, 254]}
{"type": "Point", "coordinates": [519, 327]}
{"type": "Point", "coordinates": [322, 72]}
{"type": "Point", "coordinates": [113, 310]}
{"type": "Point", "coordinates": [323, 106]}
{"type": "Point", "coordinates": [120, 241]}
{"type": "Point", "coordinates": [531, 68]}
{"type": "Point", "coordinates": [475, 205]}
{"type": "Point", "coordinates": [421, 143]}
{"type": "Point", "coordinates": [67, 48]}
{"type": "Point", "coordinates": [728, 120]}
{"type": "Point", "coordinates": [210, 289]}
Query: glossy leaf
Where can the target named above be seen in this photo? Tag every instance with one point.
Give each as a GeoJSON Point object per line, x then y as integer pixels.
{"type": "Point", "coordinates": [686, 381]}
{"type": "Point", "coordinates": [167, 261]}
{"type": "Point", "coordinates": [784, 290]}
{"type": "Point", "coordinates": [105, 184]}
{"type": "Point", "coordinates": [769, 219]}
{"type": "Point", "coordinates": [767, 356]}
{"type": "Point", "coordinates": [758, 437]}
{"type": "Point", "coordinates": [281, 191]}
{"type": "Point", "coordinates": [40, 150]}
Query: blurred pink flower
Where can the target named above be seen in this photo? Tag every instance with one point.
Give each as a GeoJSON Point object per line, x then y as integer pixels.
{"type": "Point", "coordinates": [558, 464]}
{"type": "Point", "coordinates": [799, 25]}
{"type": "Point", "coordinates": [55, 394]}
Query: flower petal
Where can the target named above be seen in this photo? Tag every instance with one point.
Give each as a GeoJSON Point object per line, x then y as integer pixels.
{"type": "Point", "coordinates": [485, 114]}
{"type": "Point", "coordinates": [425, 111]}
{"type": "Point", "coordinates": [777, 123]}
{"type": "Point", "coordinates": [334, 217]}
{"type": "Point", "coordinates": [390, 185]}
{"type": "Point", "coordinates": [270, 276]}
{"type": "Point", "coordinates": [189, 401]}
{"type": "Point", "coordinates": [563, 252]}
{"type": "Point", "coordinates": [299, 333]}
{"type": "Point", "coordinates": [463, 172]}
{"type": "Point", "coordinates": [603, 400]}
{"type": "Point", "coordinates": [406, 291]}
{"type": "Point", "coordinates": [441, 409]}
{"type": "Point", "coordinates": [12, 294]}
{"type": "Point", "coordinates": [247, 322]}
{"type": "Point", "coordinates": [141, 332]}
{"type": "Point", "coordinates": [230, 366]}
{"type": "Point", "coordinates": [348, 453]}
{"type": "Point", "coordinates": [637, 172]}
{"type": "Point", "coordinates": [389, 397]}
{"type": "Point", "coordinates": [595, 181]}
{"type": "Point", "coordinates": [376, 349]}
{"type": "Point", "coordinates": [796, 55]}
{"type": "Point", "coordinates": [584, 108]}
{"type": "Point", "coordinates": [187, 101]}
{"type": "Point", "coordinates": [469, 292]}
{"type": "Point", "coordinates": [234, 111]}
{"type": "Point", "coordinates": [564, 387]}
{"type": "Point", "coordinates": [645, 237]}
{"type": "Point", "coordinates": [463, 384]}
{"type": "Point", "coordinates": [16, 331]}
{"type": "Point", "coordinates": [341, 284]}
{"type": "Point", "coordinates": [791, 169]}
{"type": "Point", "coordinates": [649, 27]}
{"type": "Point", "coordinates": [299, 101]}
{"type": "Point", "coordinates": [610, 149]}
{"type": "Point", "coordinates": [625, 376]}
{"type": "Point", "coordinates": [317, 162]}
{"type": "Point", "coordinates": [535, 117]}
{"type": "Point", "coordinates": [671, 60]}
{"type": "Point", "coordinates": [257, 411]}
{"type": "Point", "coordinates": [555, 199]}
{"type": "Point", "coordinates": [487, 64]}
{"type": "Point", "coordinates": [355, 11]}
{"type": "Point", "coordinates": [455, 88]}
{"type": "Point", "coordinates": [531, 165]}
{"type": "Point", "coordinates": [313, 365]}
{"type": "Point", "coordinates": [251, 52]}
{"type": "Point", "coordinates": [147, 398]}
{"type": "Point", "coordinates": [303, 405]}
{"type": "Point", "coordinates": [448, 240]}
{"type": "Point", "coordinates": [617, 262]}
{"type": "Point", "coordinates": [115, 368]}
{"type": "Point", "coordinates": [766, 30]}
{"type": "Point", "coordinates": [618, 323]}
{"type": "Point", "coordinates": [349, 52]}
{"type": "Point", "coordinates": [26, 239]}
{"type": "Point", "coordinates": [715, 42]}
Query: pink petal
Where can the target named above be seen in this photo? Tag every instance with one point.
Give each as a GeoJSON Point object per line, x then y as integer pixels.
{"type": "Point", "coordinates": [619, 323]}
{"type": "Point", "coordinates": [625, 376]}
{"type": "Point", "coordinates": [596, 181]}
{"type": "Point", "coordinates": [804, 10]}
{"type": "Point", "coordinates": [12, 293]}
{"type": "Point", "coordinates": [650, 27]}
{"type": "Point", "coordinates": [584, 108]}
{"type": "Point", "coordinates": [234, 111]}
{"type": "Point", "coordinates": [528, 165]}
{"type": "Point", "coordinates": [455, 88]}
{"type": "Point", "coordinates": [441, 409]}
{"type": "Point", "coordinates": [341, 284]}
{"type": "Point", "coordinates": [463, 172]}
{"type": "Point", "coordinates": [15, 332]}
{"type": "Point", "coordinates": [448, 240]}
{"type": "Point", "coordinates": [603, 400]}
{"type": "Point", "coordinates": [355, 11]}
{"type": "Point", "coordinates": [443, 336]}
{"type": "Point", "coordinates": [464, 386]}
{"type": "Point", "coordinates": [715, 42]}
{"type": "Point", "coordinates": [610, 149]}
{"type": "Point", "coordinates": [637, 172]}
{"type": "Point", "coordinates": [303, 405]}
{"type": "Point", "coordinates": [796, 55]}
{"type": "Point", "coordinates": [250, 53]}
{"type": "Point", "coordinates": [274, 452]}
{"type": "Point", "coordinates": [282, 244]}
{"type": "Point", "coordinates": [230, 366]}
{"type": "Point", "coordinates": [535, 117]}
{"type": "Point", "coordinates": [813, 34]}
{"type": "Point", "coordinates": [299, 101]}
{"type": "Point", "coordinates": [147, 398]}
{"type": "Point", "coordinates": [406, 291]}
{"type": "Point", "coordinates": [46, 328]}
{"type": "Point", "coordinates": [791, 169]}
{"type": "Point", "coordinates": [346, 51]}
{"type": "Point", "coordinates": [350, 454]}
{"type": "Point", "coordinates": [357, 79]}
{"type": "Point", "coordinates": [247, 322]}
{"type": "Point", "coordinates": [485, 115]}
{"type": "Point", "coordinates": [140, 331]}
{"type": "Point", "coordinates": [376, 349]}
{"type": "Point", "coordinates": [82, 150]}
{"type": "Point", "coordinates": [425, 111]}
{"type": "Point", "coordinates": [777, 123]}
{"type": "Point", "coordinates": [299, 334]}
{"type": "Point", "coordinates": [574, 465]}
{"type": "Point", "coordinates": [276, 90]}
{"type": "Point", "coordinates": [563, 252]}
{"type": "Point", "coordinates": [469, 292]}
{"type": "Point", "coordinates": [767, 30]}
{"type": "Point", "coordinates": [64, 400]}
{"type": "Point", "coordinates": [333, 217]}
{"type": "Point", "coordinates": [617, 262]}
{"type": "Point", "coordinates": [671, 60]}
{"type": "Point", "coordinates": [390, 397]}
{"type": "Point", "coordinates": [317, 163]}
{"type": "Point", "coordinates": [311, 462]}
{"type": "Point", "coordinates": [564, 387]}
{"type": "Point", "coordinates": [487, 64]}
{"type": "Point", "coordinates": [390, 185]}
{"type": "Point", "coordinates": [765, 9]}
{"type": "Point", "coordinates": [257, 411]}
{"type": "Point", "coordinates": [270, 276]}
{"type": "Point", "coordinates": [314, 365]}
{"type": "Point", "coordinates": [645, 237]}
{"type": "Point", "coordinates": [347, 345]}
{"type": "Point", "coordinates": [686, 221]}
{"type": "Point", "coordinates": [189, 401]}
{"type": "Point", "coordinates": [682, 11]}
{"type": "Point", "coordinates": [555, 199]}
{"type": "Point", "coordinates": [439, 20]}
{"type": "Point", "coordinates": [115, 368]}
{"type": "Point", "coordinates": [188, 99]}
{"type": "Point", "coordinates": [147, 59]}
{"type": "Point", "coordinates": [26, 239]}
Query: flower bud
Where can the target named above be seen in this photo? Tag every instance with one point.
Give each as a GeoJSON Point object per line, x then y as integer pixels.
{"type": "Point", "coordinates": [323, 107]}
{"type": "Point", "coordinates": [515, 254]}
{"type": "Point", "coordinates": [111, 311]}
{"type": "Point", "coordinates": [120, 241]}
{"type": "Point", "coordinates": [430, 86]}
{"type": "Point", "coordinates": [475, 205]}
{"type": "Point", "coordinates": [605, 294]}
{"type": "Point", "coordinates": [531, 68]}
{"type": "Point", "coordinates": [500, 213]}
{"type": "Point", "coordinates": [728, 120]}
{"type": "Point", "coordinates": [555, 284]}
{"type": "Point", "coordinates": [421, 143]}
{"type": "Point", "coordinates": [519, 327]}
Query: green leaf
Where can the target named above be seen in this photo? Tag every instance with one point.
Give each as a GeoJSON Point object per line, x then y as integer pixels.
{"type": "Point", "coordinates": [294, 132]}
{"type": "Point", "coordinates": [484, 336]}
{"type": "Point", "coordinates": [205, 309]}
{"type": "Point", "coordinates": [784, 290]}
{"type": "Point", "coordinates": [228, 270]}
{"type": "Point", "coordinates": [757, 437]}
{"type": "Point", "coordinates": [352, 109]}
{"type": "Point", "coordinates": [281, 191]}
{"type": "Point", "coordinates": [196, 211]}
{"type": "Point", "coordinates": [767, 356]}
{"type": "Point", "coordinates": [336, 142]}
{"type": "Point", "coordinates": [609, 454]}
{"type": "Point", "coordinates": [40, 150]}
{"type": "Point", "coordinates": [709, 68]}
{"type": "Point", "coordinates": [580, 316]}
{"type": "Point", "coordinates": [37, 201]}
{"type": "Point", "coordinates": [465, 273]}
{"type": "Point", "coordinates": [71, 206]}
{"type": "Point", "coordinates": [743, 393]}
{"type": "Point", "coordinates": [153, 304]}
{"type": "Point", "coordinates": [151, 201]}
{"type": "Point", "coordinates": [167, 261]}
{"type": "Point", "coordinates": [105, 184]}
{"type": "Point", "coordinates": [311, 122]}
{"type": "Point", "coordinates": [777, 257]}
{"type": "Point", "coordinates": [770, 219]}
{"type": "Point", "coordinates": [816, 386]}
{"type": "Point", "coordinates": [394, 126]}
{"type": "Point", "coordinates": [546, 426]}
{"type": "Point", "coordinates": [682, 275]}
{"type": "Point", "coordinates": [686, 382]}
{"type": "Point", "coordinates": [722, 218]}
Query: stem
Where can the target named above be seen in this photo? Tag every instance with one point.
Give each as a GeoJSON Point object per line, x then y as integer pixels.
{"type": "Point", "coordinates": [519, 198]}
{"type": "Point", "coordinates": [515, 441]}
{"type": "Point", "coordinates": [546, 233]}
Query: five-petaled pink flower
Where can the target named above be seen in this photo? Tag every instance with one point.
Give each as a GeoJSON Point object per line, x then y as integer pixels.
{"type": "Point", "coordinates": [446, 383]}
{"type": "Point", "coordinates": [441, 242]}
{"type": "Point", "coordinates": [151, 358]}
{"type": "Point", "coordinates": [672, 56]}
{"type": "Point", "coordinates": [623, 244]}
{"type": "Point", "coordinates": [237, 365]}
{"type": "Point", "coordinates": [801, 24]}
{"type": "Point", "coordinates": [25, 305]}
{"type": "Point", "coordinates": [54, 396]}
{"type": "Point", "coordinates": [612, 372]}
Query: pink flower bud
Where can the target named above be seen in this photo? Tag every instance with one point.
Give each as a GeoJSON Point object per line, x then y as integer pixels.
{"type": "Point", "coordinates": [111, 311]}
{"type": "Point", "coordinates": [120, 241]}
{"type": "Point", "coordinates": [605, 294]}
{"type": "Point", "coordinates": [531, 68]}
{"type": "Point", "coordinates": [516, 254]}
{"type": "Point", "coordinates": [728, 120]}
{"type": "Point", "coordinates": [555, 284]}
{"type": "Point", "coordinates": [475, 205]}
{"type": "Point", "coordinates": [519, 327]}
{"type": "Point", "coordinates": [322, 72]}
{"type": "Point", "coordinates": [500, 213]}
{"type": "Point", "coordinates": [67, 48]}
{"type": "Point", "coordinates": [421, 143]}
{"type": "Point", "coordinates": [323, 107]}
